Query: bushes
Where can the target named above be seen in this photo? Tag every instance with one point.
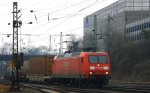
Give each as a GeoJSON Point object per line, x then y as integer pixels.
{"type": "Point", "coordinates": [130, 60]}
{"type": "Point", "coordinates": [141, 71]}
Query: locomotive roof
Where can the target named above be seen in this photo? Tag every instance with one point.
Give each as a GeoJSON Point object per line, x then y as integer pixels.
{"type": "Point", "coordinates": [69, 55]}
{"type": "Point", "coordinates": [75, 54]}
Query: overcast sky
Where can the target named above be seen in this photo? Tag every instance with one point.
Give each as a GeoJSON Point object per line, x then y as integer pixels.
{"type": "Point", "coordinates": [50, 17]}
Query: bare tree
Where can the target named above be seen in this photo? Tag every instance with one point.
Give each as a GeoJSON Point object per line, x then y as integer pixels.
{"type": "Point", "coordinates": [6, 48]}
{"type": "Point", "coordinates": [89, 42]}
{"type": "Point", "coordinates": [74, 44]}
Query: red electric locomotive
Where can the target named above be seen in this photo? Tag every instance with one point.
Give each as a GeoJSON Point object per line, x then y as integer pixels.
{"type": "Point", "coordinates": [82, 68]}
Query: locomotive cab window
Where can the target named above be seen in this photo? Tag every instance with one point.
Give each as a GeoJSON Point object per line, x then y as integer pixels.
{"type": "Point", "coordinates": [98, 59]}
{"type": "Point", "coordinates": [102, 59]}
{"type": "Point", "coordinates": [93, 59]}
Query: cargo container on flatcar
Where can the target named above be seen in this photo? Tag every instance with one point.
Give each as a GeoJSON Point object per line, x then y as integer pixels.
{"type": "Point", "coordinates": [40, 68]}
{"type": "Point", "coordinates": [84, 67]}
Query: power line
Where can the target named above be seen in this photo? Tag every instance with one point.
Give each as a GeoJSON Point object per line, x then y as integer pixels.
{"type": "Point", "coordinates": [60, 9]}
{"type": "Point", "coordinates": [67, 6]}
{"type": "Point", "coordinates": [80, 27]}
{"type": "Point", "coordinates": [73, 15]}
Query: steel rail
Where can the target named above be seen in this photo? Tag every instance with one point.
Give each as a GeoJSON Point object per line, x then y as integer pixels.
{"type": "Point", "coordinates": [105, 89]}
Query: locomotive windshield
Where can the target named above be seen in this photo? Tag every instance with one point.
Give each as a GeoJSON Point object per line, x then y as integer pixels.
{"type": "Point", "coordinates": [102, 59]}
{"type": "Point", "coordinates": [93, 59]}
{"type": "Point", "coordinates": [98, 59]}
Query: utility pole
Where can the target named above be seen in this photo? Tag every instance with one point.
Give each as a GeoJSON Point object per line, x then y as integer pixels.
{"type": "Point", "coordinates": [16, 24]}
{"type": "Point", "coordinates": [61, 45]}
{"type": "Point", "coordinates": [50, 43]}
{"type": "Point", "coordinates": [95, 33]}
{"type": "Point", "coordinates": [109, 34]}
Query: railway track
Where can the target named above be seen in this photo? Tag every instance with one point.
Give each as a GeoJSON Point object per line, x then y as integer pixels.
{"type": "Point", "coordinates": [63, 89]}
{"type": "Point", "coordinates": [111, 88]}
{"type": "Point", "coordinates": [133, 88]}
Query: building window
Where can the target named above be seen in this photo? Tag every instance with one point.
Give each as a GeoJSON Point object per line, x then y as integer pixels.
{"type": "Point", "coordinates": [128, 30]}
{"type": "Point", "coordinates": [132, 29]}
{"type": "Point", "coordinates": [135, 28]}
{"type": "Point", "coordinates": [86, 22]}
{"type": "Point", "coordinates": [145, 25]}
{"type": "Point", "coordinates": [148, 24]}
{"type": "Point", "coordinates": [140, 27]}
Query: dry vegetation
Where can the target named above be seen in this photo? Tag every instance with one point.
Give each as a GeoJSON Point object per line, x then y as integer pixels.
{"type": "Point", "coordinates": [130, 61]}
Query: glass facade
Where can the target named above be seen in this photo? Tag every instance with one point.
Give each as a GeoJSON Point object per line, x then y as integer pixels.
{"type": "Point", "coordinates": [114, 8]}
{"type": "Point", "coordinates": [133, 30]}
{"type": "Point", "coordinates": [125, 5]}
{"type": "Point", "coordinates": [137, 5]}
{"type": "Point", "coordinates": [138, 27]}
{"type": "Point", "coordinates": [120, 17]}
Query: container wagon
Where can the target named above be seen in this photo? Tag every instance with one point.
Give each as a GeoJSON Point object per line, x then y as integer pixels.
{"type": "Point", "coordinates": [39, 68]}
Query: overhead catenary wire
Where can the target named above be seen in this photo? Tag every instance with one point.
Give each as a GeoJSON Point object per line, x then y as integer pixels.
{"type": "Point", "coordinates": [72, 15]}
{"type": "Point", "coordinates": [70, 6]}
{"type": "Point", "coordinates": [66, 7]}
{"type": "Point", "coordinates": [45, 24]}
{"type": "Point", "coordinates": [81, 26]}
{"type": "Point", "coordinates": [50, 21]}
{"type": "Point", "coordinates": [53, 12]}
{"type": "Point", "coordinates": [91, 24]}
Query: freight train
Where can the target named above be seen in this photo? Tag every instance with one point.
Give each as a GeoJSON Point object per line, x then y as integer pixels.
{"type": "Point", "coordinates": [86, 68]}
{"type": "Point", "coordinates": [37, 69]}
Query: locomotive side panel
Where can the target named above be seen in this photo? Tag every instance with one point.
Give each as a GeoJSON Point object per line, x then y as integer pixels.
{"type": "Point", "coordinates": [57, 68]}
{"type": "Point", "coordinates": [68, 68]}
{"type": "Point", "coordinates": [75, 67]}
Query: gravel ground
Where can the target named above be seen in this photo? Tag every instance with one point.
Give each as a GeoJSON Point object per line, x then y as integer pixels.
{"type": "Point", "coordinates": [27, 90]}
{"type": "Point", "coordinates": [24, 90]}
{"type": "Point", "coordinates": [6, 89]}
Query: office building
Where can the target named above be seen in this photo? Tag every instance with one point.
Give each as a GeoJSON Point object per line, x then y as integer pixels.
{"type": "Point", "coordinates": [126, 17]}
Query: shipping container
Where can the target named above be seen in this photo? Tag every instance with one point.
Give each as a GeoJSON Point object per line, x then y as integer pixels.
{"type": "Point", "coordinates": [40, 65]}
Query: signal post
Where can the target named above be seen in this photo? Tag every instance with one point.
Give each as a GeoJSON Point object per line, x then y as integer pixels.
{"type": "Point", "coordinates": [15, 56]}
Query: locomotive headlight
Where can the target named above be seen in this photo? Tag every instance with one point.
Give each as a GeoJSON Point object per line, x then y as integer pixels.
{"type": "Point", "coordinates": [105, 67]}
{"type": "Point", "coordinates": [91, 72]}
{"type": "Point", "coordinates": [92, 67]}
{"type": "Point", "coordinates": [106, 73]}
